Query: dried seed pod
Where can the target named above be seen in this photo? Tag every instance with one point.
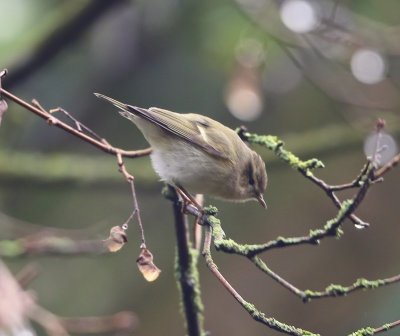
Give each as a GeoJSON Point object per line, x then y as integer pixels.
{"type": "Point", "coordinates": [146, 266]}
{"type": "Point", "coordinates": [116, 240]}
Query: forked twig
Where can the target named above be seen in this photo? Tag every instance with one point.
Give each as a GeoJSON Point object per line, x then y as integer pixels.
{"type": "Point", "coordinates": [136, 210]}
{"type": "Point", "coordinates": [250, 308]}
{"type": "Point", "coordinates": [75, 132]}
{"type": "Point", "coordinates": [86, 134]}
{"type": "Point", "coordinates": [332, 228]}
{"type": "Point", "coordinates": [79, 126]}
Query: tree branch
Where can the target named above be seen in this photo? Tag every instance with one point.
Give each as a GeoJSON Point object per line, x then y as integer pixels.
{"type": "Point", "coordinates": [44, 243]}
{"type": "Point", "coordinates": [120, 322]}
{"type": "Point", "coordinates": [186, 270]}
{"type": "Point", "coordinates": [53, 121]}
{"type": "Point", "coordinates": [250, 308]}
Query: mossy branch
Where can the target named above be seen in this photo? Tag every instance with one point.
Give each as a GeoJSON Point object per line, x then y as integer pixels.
{"type": "Point", "coordinates": [274, 144]}
{"type": "Point", "coordinates": [256, 314]}
{"type": "Point", "coordinates": [332, 228]}
{"type": "Point", "coordinates": [187, 258]}
{"type": "Point", "coordinates": [333, 290]}
{"type": "Point", "coordinates": [374, 331]}
{"type": "Point", "coordinates": [186, 270]}
{"type": "Point", "coordinates": [306, 168]}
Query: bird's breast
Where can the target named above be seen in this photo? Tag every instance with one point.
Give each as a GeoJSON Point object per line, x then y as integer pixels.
{"type": "Point", "coordinates": [191, 168]}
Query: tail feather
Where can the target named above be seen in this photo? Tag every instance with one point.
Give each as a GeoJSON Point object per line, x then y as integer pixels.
{"type": "Point", "coordinates": [116, 103]}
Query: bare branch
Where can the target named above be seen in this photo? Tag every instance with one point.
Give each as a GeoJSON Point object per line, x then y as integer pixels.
{"type": "Point", "coordinates": [18, 306]}
{"type": "Point", "coordinates": [49, 321]}
{"type": "Point", "coordinates": [26, 275]}
{"type": "Point", "coordinates": [50, 245]}
{"type": "Point", "coordinates": [187, 255]}
{"type": "Point", "coordinates": [387, 167]}
{"type": "Point", "coordinates": [51, 120]}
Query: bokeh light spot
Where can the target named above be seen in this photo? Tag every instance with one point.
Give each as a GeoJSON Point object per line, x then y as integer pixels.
{"type": "Point", "coordinates": [368, 66]}
{"type": "Point", "coordinates": [244, 103]}
{"type": "Point", "coordinates": [386, 150]}
{"type": "Point", "coordinates": [299, 16]}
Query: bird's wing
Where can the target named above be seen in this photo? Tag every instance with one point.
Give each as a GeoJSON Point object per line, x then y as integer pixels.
{"type": "Point", "coordinates": [193, 130]}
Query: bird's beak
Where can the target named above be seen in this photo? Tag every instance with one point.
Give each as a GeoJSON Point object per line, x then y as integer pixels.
{"type": "Point", "coordinates": [260, 199]}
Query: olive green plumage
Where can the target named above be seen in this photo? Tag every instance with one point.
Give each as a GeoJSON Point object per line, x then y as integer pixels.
{"type": "Point", "coordinates": [199, 153]}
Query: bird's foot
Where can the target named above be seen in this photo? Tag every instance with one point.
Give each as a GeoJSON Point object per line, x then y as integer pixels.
{"type": "Point", "coordinates": [189, 203]}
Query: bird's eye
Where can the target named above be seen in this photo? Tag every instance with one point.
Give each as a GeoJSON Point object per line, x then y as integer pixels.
{"type": "Point", "coordinates": [249, 173]}
{"type": "Point", "coordinates": [251, 180]}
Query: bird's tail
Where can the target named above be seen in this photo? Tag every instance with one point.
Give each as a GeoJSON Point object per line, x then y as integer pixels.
{"type": "Point", "coordinates": [116, 103]}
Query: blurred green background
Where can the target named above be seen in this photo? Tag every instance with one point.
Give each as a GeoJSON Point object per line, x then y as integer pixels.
{"type": "Point", "coordinates": [195, 56]}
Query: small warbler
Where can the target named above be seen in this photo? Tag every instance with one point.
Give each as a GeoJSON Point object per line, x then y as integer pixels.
{"type": "Point", "coordinates": [199, 154]}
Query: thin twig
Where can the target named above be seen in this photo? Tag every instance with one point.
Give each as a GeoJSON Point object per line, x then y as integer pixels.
{"type": "Point", "coordinates": [387, 167]}
{"type": "Point", "coordinates": [49, 321]}
{"type": "Point", "coordinates": [61, 326]}
{"type": "Point", "coordinates": [264, 268]}
{"type": "Point", "coordinates": [333, 290]}
{"type": "Point", "coordinates": [354, 184]}
{"type": "Point", "coordinates": [116, 239]}
{"type": "Point", "coordinates": [93, 139]}
{"type": "Point", "coordinates": [250, 308]}
{"type": "Point", "coordinates": [136, 210]}
{"type": "Point", "coordinates": [27, 274]}
{"type": "Point", "coordinates": [50, 245]}
{"type": "Point", "coordinates": [387, 327]}
{"type": "Point", "coordinates": [186, 257]}
{"type": "Point", "coordinates": [330, 192]}
{"type": "Point", "coordinates": [305, 168]}
{"type": "Point", "coordinates": [58, 123]}
{"type": "Point", "coordinates": [79, 126]}
{"type": "Point", "coordinates": [330, 291]}
{"type": "Point", "coordinates": [331, 228]}
{"type": "Point", "coordinates": [374, 331]}
{"type": "Point", "coordinates": [214, 269]}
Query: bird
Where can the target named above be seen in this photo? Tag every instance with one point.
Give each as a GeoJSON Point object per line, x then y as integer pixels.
{"type": "Point", "coordinates": [197, 154]}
